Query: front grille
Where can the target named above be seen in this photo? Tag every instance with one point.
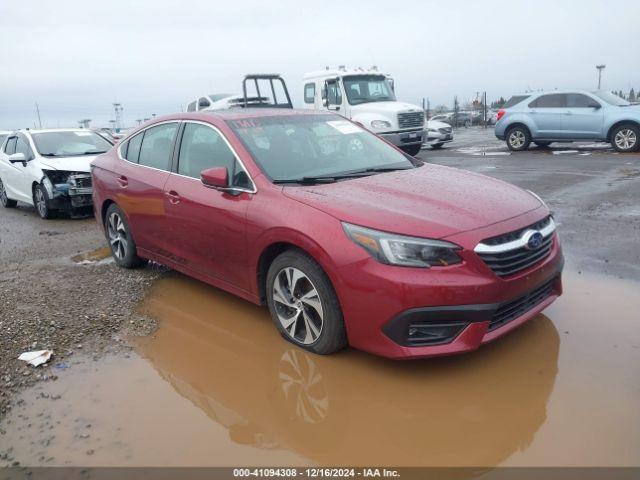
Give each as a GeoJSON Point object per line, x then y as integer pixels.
{"type": "Point", "coordinates": [445, 130]}
{"type": "Point", "coordinates": [516, 234]}
{"type": "Point", "coordinates": [411, 119]}
{"type": "Point", "coordinates": [515, 308]}
{"type": "Point", "coordinates": [510, 261]}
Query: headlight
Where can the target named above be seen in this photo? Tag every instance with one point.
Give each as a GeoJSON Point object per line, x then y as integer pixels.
{"type": "Point", "coordinates": [379, 124]}
{"type": "Point", "coordinates": [400, 250]}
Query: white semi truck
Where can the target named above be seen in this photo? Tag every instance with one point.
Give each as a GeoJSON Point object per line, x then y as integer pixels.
{"type": "Point", "coordinates": [367, 97]}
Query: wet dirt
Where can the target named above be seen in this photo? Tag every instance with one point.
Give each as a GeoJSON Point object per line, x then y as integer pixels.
{"type": "Point", "coordinates": [216, 385]}
{"type": "Point", "coordinates": [93, 256]}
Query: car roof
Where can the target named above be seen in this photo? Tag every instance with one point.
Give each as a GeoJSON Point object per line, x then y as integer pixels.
{"type": "Point", "coordinates": [240, 113]}
{"type": "Point", "coordinates": [49, 130]}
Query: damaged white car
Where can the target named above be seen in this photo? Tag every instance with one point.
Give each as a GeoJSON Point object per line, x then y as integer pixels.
{"type": "Point", "coordinates": [49, 169]}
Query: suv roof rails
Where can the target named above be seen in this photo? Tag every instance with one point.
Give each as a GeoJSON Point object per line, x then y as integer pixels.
{"type": "Point", "coordinates": [271, 77]}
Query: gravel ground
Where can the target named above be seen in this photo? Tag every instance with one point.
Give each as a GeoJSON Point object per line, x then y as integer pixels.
{"type": "Point", "coordinates": [49, 301]}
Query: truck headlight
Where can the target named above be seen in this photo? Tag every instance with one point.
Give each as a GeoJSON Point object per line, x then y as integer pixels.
{"type": "Point", "coordinates": [380, 124]}
{"type": "Point", "coordinates": [395, 249]}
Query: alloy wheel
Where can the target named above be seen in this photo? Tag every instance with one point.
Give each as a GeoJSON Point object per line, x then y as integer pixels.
{"type": "Point", "coordinates": [298, 305]}
{"type": "Point", "coordinates": [626, 139]}
{"type": "Point", "coordinates": [117, 235]}
{"type": "Point", "coordinates": [517, 139]}
{"type": "Point", "coordinates": [3, 194]}
{"type": "Point", "coordinates": [41, 202]}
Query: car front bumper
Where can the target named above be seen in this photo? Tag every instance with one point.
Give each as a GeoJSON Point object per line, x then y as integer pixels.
{"type": "Point", "coordinates": [437, 138]}
{"type": "Point", "coordinates": [466, 303]}
{"type": "Point", "coordinates": [404, 138]}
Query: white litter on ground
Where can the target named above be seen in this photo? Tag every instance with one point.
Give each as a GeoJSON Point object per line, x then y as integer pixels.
{"type": "Point", "coordinates": [37, 357]}
{"type": "Point", "coordinates": [562, 152]}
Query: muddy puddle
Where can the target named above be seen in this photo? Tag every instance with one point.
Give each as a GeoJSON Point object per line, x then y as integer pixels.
{"type": "Point", "coordinates": [216, 385]}
{"type": "Point", "coordinates": [98, 255]}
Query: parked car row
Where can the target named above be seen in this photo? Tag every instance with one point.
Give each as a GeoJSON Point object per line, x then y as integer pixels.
{"type": "Point", "coordinates": [567, 116]}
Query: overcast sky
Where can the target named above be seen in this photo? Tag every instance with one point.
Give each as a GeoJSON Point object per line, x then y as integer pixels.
{"type": "Point", "coordinates": [75, 58]}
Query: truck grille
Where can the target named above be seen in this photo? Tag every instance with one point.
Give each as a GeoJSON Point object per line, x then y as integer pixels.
{"type": "Point", "coordinates": [411, 120]}
{"type": "Point", "coordinates": [512, 259]}
{"type": "Point", "coordinates": [513, 309]}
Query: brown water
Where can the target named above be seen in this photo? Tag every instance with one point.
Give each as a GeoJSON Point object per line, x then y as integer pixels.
{"type": "Point", "coordinates": [92, 256]}
{"type": "Point", "coordinates": [217, 385]}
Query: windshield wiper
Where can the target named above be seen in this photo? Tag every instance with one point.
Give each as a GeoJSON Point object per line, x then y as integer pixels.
{"type": "Point", "coordinates": [305, 180]}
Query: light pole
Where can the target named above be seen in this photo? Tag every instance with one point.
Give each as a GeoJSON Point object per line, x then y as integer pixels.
{"type": "Point", "coordinates": [600, 68]}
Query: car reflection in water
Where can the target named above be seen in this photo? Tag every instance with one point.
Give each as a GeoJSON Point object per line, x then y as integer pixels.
{"type": "Point", "coordinates": [224, 355]}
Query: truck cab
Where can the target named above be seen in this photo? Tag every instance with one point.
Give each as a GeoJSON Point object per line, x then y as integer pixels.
{"type": "Point", "coordinates": [367, 97]}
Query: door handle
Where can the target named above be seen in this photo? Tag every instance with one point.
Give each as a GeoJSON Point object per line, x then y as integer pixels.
{"type": "Point", "coordinates": [174, 198]}
{"type": "Point", "coordinates": [122, 181]}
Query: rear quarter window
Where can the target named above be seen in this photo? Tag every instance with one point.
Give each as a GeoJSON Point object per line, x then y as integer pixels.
{"type": "Point", "coordinates": [513, 101]}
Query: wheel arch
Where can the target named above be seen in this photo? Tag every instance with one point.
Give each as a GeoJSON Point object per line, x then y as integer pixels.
{"type": "Point", "coordinates": [619, 123]}
{"type": "Point", "coordinates": [283, 242]}
{"type": "Point", "coordinates": [517, 123]}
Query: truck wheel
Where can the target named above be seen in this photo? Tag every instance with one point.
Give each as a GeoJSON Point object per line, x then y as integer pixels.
{"type": "Point", "coordinates": [437, 146]}
{"type": "Point", "coordinates": [303, 304]}
{"type": "Point", "coordinates": [412, 150]}
{"type": "Point", "coordinates": [626, 138]}
{"type": "Point", "coordinates": [6, 201]}
{"type": "Point", "coordinates": [518, 138]}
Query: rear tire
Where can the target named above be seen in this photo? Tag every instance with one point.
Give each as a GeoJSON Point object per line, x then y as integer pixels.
{"type": "Point", "coordinates": [304, 305]}
{"type": "Point", "coordinates": [626, 138]}
{"type": "Point", "coordinates": [41, 202]}
{"type": "Point", "coordinates": [6, 201]}
{"type": "Point", "coordinates": [118, 232]}
{"type": "Point", "coordinates": [518, 138]}
{"type": "Point", "coordinates": [412, 150]}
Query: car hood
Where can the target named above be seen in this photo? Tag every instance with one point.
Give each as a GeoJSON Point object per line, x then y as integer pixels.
{"type": "Point", "coordinates": [384, 108]}
{"type": "Point", "coordinates": [70, 164]}
{"type": "Point", "coordinates": [430, 201]}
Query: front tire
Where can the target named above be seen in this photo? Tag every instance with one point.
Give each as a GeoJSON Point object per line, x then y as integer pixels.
{"type": "Point", "coordinates": [412, 150]}
{"type": "Point", "coordinates": [41, 202]}
{"type": "Point", "coordinates": [626, 138]}
{"type": "Point", "coordinates": [6, 201]}
{"type": "Point", "coordinates": [123, 247]}
{"type": "Point", "coordinates": [437, 146]}
{"type": "Point", "coordinates": [518, 139]}
{"type": "Point", "coordinates": [304, 305]}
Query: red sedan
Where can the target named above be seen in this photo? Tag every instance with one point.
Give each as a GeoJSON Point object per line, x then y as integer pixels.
{"type": "Point", "coordinates": [348, 240]}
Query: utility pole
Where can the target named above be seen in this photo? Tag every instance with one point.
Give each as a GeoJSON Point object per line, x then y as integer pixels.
{"type": "Point", "coordinates": [38, 112]}
{"type": "Point", "coordinates": [117, 108]}
{"type": "Point", "coordinates": [600, 68]}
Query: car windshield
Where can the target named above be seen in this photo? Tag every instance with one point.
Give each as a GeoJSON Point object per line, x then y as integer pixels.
{"type": "Point", "coordinates": [611, 98]}
{"type": "Point", "coordinates": [289, 148]}
{"type": "Point", "coordinates": [2, 137]}
{"type": "Point", "coordinates": [70, 143]}
{"type": "Point", "coordinates": [367, 88]}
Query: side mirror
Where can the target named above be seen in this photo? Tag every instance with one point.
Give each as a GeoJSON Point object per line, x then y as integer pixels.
{"type": "Point", "coordinates": [17, 158]}
{"type": "Point", "coordinates": [216, 177]}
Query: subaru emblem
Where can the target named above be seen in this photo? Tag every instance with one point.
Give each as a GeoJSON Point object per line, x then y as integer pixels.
{"type": "Point", "coordinates": [532, 239]}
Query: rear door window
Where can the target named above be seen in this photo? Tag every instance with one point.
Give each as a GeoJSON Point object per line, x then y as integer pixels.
{"type": "Point", "coordinates": [157, 146]}
{"type": "Point", "coordinates": [553, 100]}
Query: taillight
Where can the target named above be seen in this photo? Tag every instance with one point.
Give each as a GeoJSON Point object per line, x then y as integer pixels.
{"type": "Point", "coordinates": [500, 114]}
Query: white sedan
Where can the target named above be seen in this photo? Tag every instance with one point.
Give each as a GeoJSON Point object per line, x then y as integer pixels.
{"type": "Point", "coordinates": [437, 133]}
{"type": "Point", "coordinates": [49, 169]}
